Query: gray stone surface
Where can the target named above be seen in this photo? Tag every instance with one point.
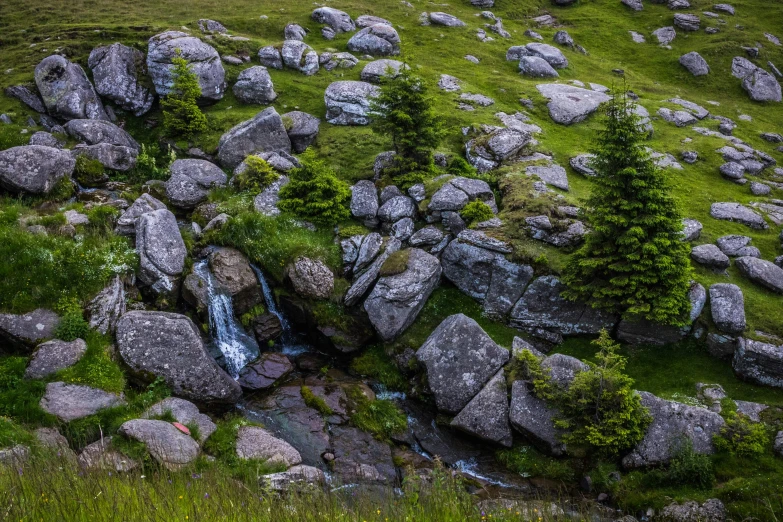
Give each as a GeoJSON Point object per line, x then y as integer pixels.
{"type": "Point", "coordinates": [568, 104]}
{"type": "Point", "coordinates": [348, 102]}
{"type": "Point", "coordinates": [53, 356]}
{"type": "Point", "coordinates": [303, 129]}
{"type": "Point", "coordinates": [376, 40]}
{"type": "Point", "coordinates": [377, 69]}
{"type": "Point", "coordinates": [184, 412]}
{"type": "Point", "coordinates": [254, 85]}
{"type": "Point", "coordinates": [168, 445]}
{"type": "Point", "coordinates": [266, 371]}
{"type": "Point", "coordinates": [127, 222]}
{"type": "Point", "coordinates": [191, 181]}
{"type": "Point", "coordinates": [486, 415]}
{"type": "Point", "coordinates": [691, 229]}
{"type": "Point", "coordinates": [551, 54]}
{"type": "Point", "coordinates": [34, 169]}
{"type": "Point", "coordinates": [264, 132]}
{"type": "Point", "coordinates": [202, 58]}
{"type": "Point", "coordinates": [300, 57]}
{"type": "Point", "coordinates": [311, 278]}
{"type": "Point", "coordinates": [257, 443]}
{"type": "Point", "coordinates": [161, 251]}
{"type": "Point", "coordinates": [711, 256]}
{"type": "Point", "coordinates": [533, 418]}
{"type": "Point", "coordinates": [25, 331]}
{"type": "Point", "coordinates": [439, 18]}
{"type": "Point", "coordinates": [338, 21]}
{"type": "Point", "coordinates": [739, 213]}
{"type": "Point", "coordinates": [116, 72]}
{"type": "Point", "coordinates": [65, 90]}
{"type": "Point", "coordinates": [232, 271]}
{"type": "Point", "coordinates": [69, 402]}
{"type": "Point", "coordinates": [100, 455]}
{"type": "Point", "coordinates": [695, 64]}
{"type": "Point", "coordinates": [728, 308]}
{"type": "Point", "coordinates": [762, 272]}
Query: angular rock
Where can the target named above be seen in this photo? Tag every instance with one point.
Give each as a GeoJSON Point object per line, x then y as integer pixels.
{"type": "Point", "coordinates": [491, 150]}
{"type": "Point", "coordinates": [739, 213]}
{"type": "Point", "coordinates": [376, 40]}
{"type": "Point", "coordinates": [759, 362]}
{"type": "Point", "coordinates": [127, 222]}
{"type": "Point", "coordinates": [533, 418]}
{"type": "Point", "coordinates": [116, 70]}
{"type": "Point", "coordinates": [302, 129]}
{"type": "Point", "coordinates": [34, 169]}
{"type": "Point", "coordinates": [269, 56]}
{"type": "Point", "coordinates": [23, 332]}
{"type": "Point", "coordinates": [53, 356]}
{"type": "Point", "coordinates": [65, 90]}
{"type": "Point", "coordinates": [486, 415]}
{"type": "Point", "coordinates": [257, 443]}
{"type": "Point", "coordinates": [69, 402]}
{"type": "Point", "coordinates": [446, 19]}
{"type": "Point", "coordinates": [383, 68]}
{"type": "Point", "coordinates": [310, 278]}
{"type": "Point", "coordinates": [348, 102]}
{"type": "Point", "coordinates": [732, 170]}
{"type": "Point", "coordinates": [265, 132]}
{"type": "Point", "coordinates": [695, 64]}
{"type": "Point", "coordinates": [762, 86]}
{"type": "Point", "coordinates": [665, 35]}
{"type": "Point", "coordinates": [233, 273]}
{"type": "Point", "coordinates": [552, 55]}
{"type": "Point", "coordinates": [300, 57]}
{"type": "Point", "coordinates": [191, 181]}
{"type": "Point", "coordinates": [254, 86]}
{"type": "Point", "coordinates": [263, 373]}
{"type": "Point", "coordinates": [728, 308]}
{"type": "Point", "coordinates": [27, 96]}
{"type": "Point", "coordinates": [161, 251]}
{"type": "Point", "coordinates": [553, 175]}
{"type": "Point", "coordinates": [338, 21]}
{"type": "Point", "coordinates": [100, 456]}
{"type": "Point", "coordinates": [711, 256]}
{"type": "Point", "coordinates": [364, 202]}
{"type": "Point", "coordinates": [397, 208]}
{"type": "Point", "coordinates": [184, 412]}
{"type": "Point", "coordinates": [168, 445]}
{"type": "Point", "coordinates": [568, 104]}
{"type": "Point", "coordinates": [297, 475]}
{"type": "Point", "coordinates": [765, 273]}
{"type": "Point", "coordinates": [363, 283]}
{"type": "Point", "coordinates": [691, 229]}
{"type": "Point", "coordinates": [536, 67]}
{"type": "Point", "coordinates": [687, 22]}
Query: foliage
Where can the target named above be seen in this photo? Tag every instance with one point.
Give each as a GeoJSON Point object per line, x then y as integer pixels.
{"type": "Point", "coordinates": [72, 324]}
{"type": "Point", "coordinates": [352, 230]}
{"type": "Point", "coordinates": [315, 402]}
{"type": "Point", "coordinates": [19, 397]}
{"type": "Point", "coordinates": [380, 417]}
{"type": "Point", "coordinates": [476, 212]}
{"type": "Point", "coordinates": [404, 111]}
{"type": "Point", "coordinates": [88, 171]}
{"type": "Point", "coordinates": [315, 193]}
{"type": "Point", "coordinates": [247, 318]}
{"type": "Point", "coordinates": [634, 261]}
{"type": "Point", "coordinates": [600, 408]}
{"type": "Point", "coordinates": [690, 468]}
{"type": "Point", "coordinates": [256, 176]}
{"type": "Point", "coordinates": [527, 367]}
{"type": "Point", "coordinates": [151, 164]}
{"type": "Point", "coordinates": [181, 114]}
{"type": "Point", "coordinates": [529, 462]}
{"type": "Point", "coordinates": [396, 263]}
{"type": "Point", "coordinates": [377, 365]}
{"type": "Point", "coordinates": [458, 166]}
{"type": "Point", "coordinates": [741, 436]}
{"type": "Point", "coordinates": [102, 219]}
{"type": "Point", "coordinates": [96, 368]}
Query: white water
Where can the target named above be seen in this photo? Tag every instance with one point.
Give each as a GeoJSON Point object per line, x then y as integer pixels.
{"type": "Point", "coordinates": [238, 348]}
{"type": "Point", "coordinates": [470, 467]}
{"type": "Point", "coordinates": [288, 342]}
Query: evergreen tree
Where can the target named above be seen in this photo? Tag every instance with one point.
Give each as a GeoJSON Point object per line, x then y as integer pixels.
{"type": "Point", "coordinates": [634, 261]}
{"type": "Point", "coordinates": [403, 111]}
{"type": "Point", "coordinates": [181, 114]}
{"type": "Point", "coordinates": [315, 193]}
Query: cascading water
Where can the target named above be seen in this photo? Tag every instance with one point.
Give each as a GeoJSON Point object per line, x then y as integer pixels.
{"type": "Point", "coordinates": [238, 348]}
{"type": "Point", "coordinates": [289, 343]}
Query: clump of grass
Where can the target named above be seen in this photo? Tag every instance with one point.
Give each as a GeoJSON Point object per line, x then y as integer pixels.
{"type": "Point", "coordinates": [12, 434]}
{"type": "Point", "coordinates": [396, 263]}
{"type": "Point", "coordinates": [96, 368]}
{"type": "Point", "coordinates": [476, 212]}
{"type": "Point", "coordinates": [352, 230]}
{"type": "Point", "coordinates": [377, 365]}
{"type": "Point", "coordinates": [19, 397]}
{"type": "Point", "coordinates": [380, 417]}
{"type": "Point", "coordinates": [315, 402]}
{"type": "Point", "coordinates": [256, 176]}
{"type": "Point", "coordinates": [89, 171]}
{"type": "Point", "coordinates": [529, 462]}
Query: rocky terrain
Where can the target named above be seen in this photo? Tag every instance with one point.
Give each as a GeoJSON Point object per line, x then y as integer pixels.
{"type": "Point", "coordinates": [155, 314]}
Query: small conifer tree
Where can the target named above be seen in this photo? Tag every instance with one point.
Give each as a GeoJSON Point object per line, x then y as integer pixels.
{"type": "Point", "coordinates": [315, 193]}
{"type": "Point", "coordinates": [634, 261]}
{"type": "Point", "coordinates": [403, 111]}
{"type": "Point", "coordinates": [181, 114]}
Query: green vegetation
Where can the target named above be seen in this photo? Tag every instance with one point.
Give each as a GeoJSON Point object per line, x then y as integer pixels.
{"type": "Point", "coordinates": [529, 462]}
{"type": "Point", "coordinates": [741, 436]}
{"type": "Point", "coordinates": [634, 261]}
{"type": "Point", "coordinates": [396, 263]}
{"type": "Point", "coordinates": [315, 193]}
{"type": "Point", "coordinates": [96, 368]}
{"type": "Point", "coordinates": [475, 212]}
{"type": "Point", "coordinates": [315, 402]}
{"type": "Point", "coordinates": [256, 176]}
{"type": "Point", "coordinates": [181, 114]}
{"type": "Point", "coordinates": [377, 365]}
{"type": "Point", "coordinates": [380, 417]}
{"type": "Point", "coordinates": [404, 112]}
{"type": "Point", "coordinates": [222, 445]}
{"type": "Point", "coordinates": [88, 171]}
{"type": "Point", "coordinates": [72, 324]}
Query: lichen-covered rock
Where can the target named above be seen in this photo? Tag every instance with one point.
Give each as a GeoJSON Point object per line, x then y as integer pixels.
{"type": "Point", "coordinates": [126, 223]}
{"type": "Point", "coordinates": [536, 67]}
{"type": "Point", "coordinates": [711, 256]}
{"type": "Point", "coordinates": [161, 251]}
{"type": "Point", "coordinates": [569, 104]}
{"type": "Point", "coordinates": [184, 412]}
{"type": "Point", "coordinates": [257, 443]}
{"type": "Point", "coordinates": [762, 86]}
{"type": "Point", "coordinates": [191, 181]}
{"type": "Point", "coordinates": [486, 415]}
{"type": "Point", "coordinates": [53, 356]}
{"type": "Point", "coordinates": [533, 418]}
{"type": "Point", "coordinates": [765, 273]}
{"type": "Point", "coordinates": [23, 332]}
{"type": "Point", "coordinates": [34, 169]}
{"type": "Point", "coordinates": [311, 278]}
{"type": "Point", "coordinates": [269, 56]}
{"type": "Point", "coordinates": [265, 132]}
{"type": "Point", "coordinates": [376, 40]}
{"type": "Point", "coordinates": [116, 70]}
{"type": "Point", "coordinates": [364, 202]}
{"type": "Point", "coordinates": [728, 308]}
{"type": "Point", "coordinates": [739, 213]}
{"type": "Point", "coordinates": [254, 86]}
{"type": "Point", "coordinates": [759, 362]}
{"type": "Point", "coordinates": [69, 402]}
{"type": "Point", "coordinates": [338, 21]}
{"type": "Point", "coordinates": [712, 510]}
{"type": "Point", "coordinates": [695, 64]}
{"type": "Point", "coordinates": [302, 129]}
{"type": "Point", "coordinates": [552, 55]}
{"type": "Point", "coordinates": [300, 57]}
{"type": "Point", "coordinates": [168, 445]}
{"type": "Point", "coordinates": [65, 90]}
{"type": "Point", "coordinates": [348, 102]}
{"type": "Point", "coordinates": [500, 145]}
{"type": "Point", "coordinates": [377, 69]}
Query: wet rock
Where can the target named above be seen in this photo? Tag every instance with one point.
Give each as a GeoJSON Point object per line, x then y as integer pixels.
{"type": "Point", "coordinates": [265, 372]}
{"type": "Point", "coordinates": [233, 273]}
{"type": "Point", "coordinates": [460, 358]}
{"type": "Point", "coordinates": [69, 402]}
{"type": "Point", "coordinates": [168, 445]}
{"type": "Point", "coordinates": [34, 169]}
{"type": "Point", "coordinates": [53, 356]}
{"type": "Point", "coordinates": [533, 418]}
{"type": "Point", "coordinates": [728, 308]}
{"type": "Point", "coordinates": [116, 71]}
{"type": "Point", "coordinates": [184, 412]}
{"type": "Point", "coordinates": [24, 332]}
{"type": "Point", "coordinates": [257, 443]}
{"type": "Point", "coordinates": [311, 278]}
{"type": "Point", "coordinates": [376, 40]}
{"type": "Point", "coordinates": [65, 90]}
{"type": "Point", "coordinates": [360, 457]}
{"type": "Point", "coordinates": [166, 345]}
{"type": "Point", "coordinates": [191, 181]}
{"type": "Point", "coordinates": [264, 132]}
{"type": "Point", "coordinates": [348, 102]}
{"type": "Point", "coordinates": [161, 251]}
{"type": "Point", "coordinates": [762, 272]}
{"type": "Point", "coordinates": [486, 415]}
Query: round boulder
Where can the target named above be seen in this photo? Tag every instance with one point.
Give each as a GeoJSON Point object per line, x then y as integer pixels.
{"type": "Point", "coordinates": [311, 278]}
{"type": "Point", "coordinates": [254, 86]}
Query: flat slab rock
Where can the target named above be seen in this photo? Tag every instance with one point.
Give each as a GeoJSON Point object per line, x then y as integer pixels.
{"type": "Point", "coordinates": [568, 104]}
{"type": "Point", "coordinates": [765, 273]}
{"type": "Point", "coordinates": [167, 444]}
{"type": "Point", "coordinates": [184, 412]}
{"type": "Point", "coordinates": [739, 213]}
{"type": "Point", "coordinates": [69, 402]}
{"type": "Point", "coordinates": [533, 418]}
{"type": "Point", "coordinates": [53, 356]}
{"type": "Point", "coordinates": [23, 332]}
{"type": "Point", "coordinates": [257, 443]}
{"type": "Point", "coordinates": [486, 415]}
{"type": "Point", "coordinates": [759, 362]}
{"type": "Point", "coordinates": [265, 372]}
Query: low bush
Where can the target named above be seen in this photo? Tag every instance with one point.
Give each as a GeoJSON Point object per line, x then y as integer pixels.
{"type": "Point", "coordinates": [741, 436]}
{"type": "Point", "coordinates": [256, 176]}
{"type": "Point", "coordinates": [88, 171]}
{"type": "Point", "coordinates": [476, 212]}
{"type": "Point", "coordinates": [315, 193]}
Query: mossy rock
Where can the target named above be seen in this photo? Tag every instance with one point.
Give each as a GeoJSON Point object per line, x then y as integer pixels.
{"type": "Point", "coordinates": [397, 263]}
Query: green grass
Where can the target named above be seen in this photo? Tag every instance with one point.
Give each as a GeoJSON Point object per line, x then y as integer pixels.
{"type": "Point", "coordinates": [315, 402]}
{"type": "Point", "coordinates": [380, 417]}
{"type": "Point", "coordinates": [377, 365]}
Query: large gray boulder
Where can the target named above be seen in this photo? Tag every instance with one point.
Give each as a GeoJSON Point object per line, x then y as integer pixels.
{"type": "Point", "coordinates": [460, 359]}
{"type": "Point", "coordinates": [203, 60]}
{"type": "Point", "coordinates": [106, 308]}
{"type": "Point", "coordinates": [166, 345]}
{"type": "Point", "coordinates": [552, 55]}
{"type": "Point", "coordinates": [34, 169]}
{"type": "Point", "coordinates": [542, 308]}
{"type": "Point", "coordinates": [269, 56]}
{"type": "Point", "coordinates": [494, 148]}
{"type": "Point", "coordinates": [396, 300]}
{"type": "Point", "coordinates": [69, 402]}
{"type": "Point", "coordinates": [728, 308]}
{"type": "Point", "coordinates": [24, 332]}
{"type": "Point", "coordinates": [232, 271]}
{"type": "Point", "coordinates": [711, 256]}
{"type": "Point", "coordinates": [184, 412]}
{"type": "Point", "coordinates": [66, 91]}
{"type": "Point", "coordinates": [759, 362]}
{"type": "Point", "coordinates": [569, 104]}
{"type": "Point", "coordinates": [265, 132]}
{"type": "Point", "coordinates": [687, 21]}
{"type": "Point", "coordinates": [161, 251]}
{"type": "Point", "coordinates": [536, 67]}
{"type": "Point", "coordinates": [363, 283]}
{"type": "Point", "coordinates": [377, 69]}
{"type": "Point", "coordinates": [762, 86]}
{"type": "Point", "coordinates": [168, 445]}
{"type": "Point", "coordinates": [302, 129]}
{"type": "Point", "coordinates": [257, 443]}
{"type": "Point", "coordinates": [672, 423]}
{"type": "Point", "coordinates": [191, 181]}
{"type": "Point", "coordinates": [376, 40]}
{"type": "Point", "coordinates": [765, 273]}
{"type": "Point", "coordinates": [254, 86]}
{"type": "Point", "coordinates": [93, 132]}
{"type": "Point", "coordinates": [294, 31]}
{"type": "Point", "coordinates": [53, 356]}
{"type": "Point", "coordinates": [397, 208]}
{"type": "Point", "coordinates": [348, 102]}
{"type": "Point", "coordinates": [364, 202]}
{"type": "Point", "coordinates": [311, 278]}
{"type": "Point", "coordinates": [695, 64]}
{"type": "Point", "coordinates": [116, 70]}
{"type": "Point", "coordinates": [338, 21]}
{"type": "Point", "coordinates": [300, 57]}
{"type": "Point", "coordinates": [112, 157]}
{"type": "Point", "coordinates": [533, 418]}
{"type": "Point", "coordinates": [446, 19]}
{"type": "Point", "coordinates": [486, 415]}
{"type": "Point", "coordinates": [126, 223]}
{"type": "Point", "coordinates": [739, 213]}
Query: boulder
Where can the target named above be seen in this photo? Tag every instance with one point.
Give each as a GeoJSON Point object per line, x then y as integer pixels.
{"type": "Point", "coordinates": [679, 118]}
{"type": "Point", "coordinates": [23, 332]}
{"type": "Point", "coordinates": [359, 457]}
{"type": "Point", "coordinates": [348, 102]}
{"type": "Point", "coordinates": [687, 22]}
{"type": "Point", "coordinates": [302, 129]}
{"type": "Point", "coordinates": [734, 245]}
{"type": "Point", "coordinates": [265, 372]}
{"type": "Point", "coordinates": [376, 40]}
{"type": "Point", "coordinates": [377, 69]}
{"type": "Point", "coordinates": [269, 56]}
{"type": "Point", "coordinates": [310, 278]}
{"type": "Point", "coordinates": [673, 422]}
{"type": "Point", "coordinates": [161, 251]}
{"type": "Point", "coordinates": [552, 55]}
{"type": "Point", "coordinates": [762, 86]}
{"type": "Point", "coordinates": [765, 273]}
{"type": "Point", "coordinates": [368, 20]}
{"type": "Point", "coordinates": [364, 202]}
{"type": "Point", "coordinates": [126, 223]}
{"type": "Point", "coordinates": [695, 64]}
{"type": "Point", "coordinates": [116, 70]}
{"type": "Point", "coordinates": [93, 132]}
{"type": "Point", "coordinates": [34, 169]}
{"type": "Point", "coordinates": [364, 281]}
{"type": "Point", "coordinates": [553, 175]}
{"type": "Point", "coordinates": [107, 307]}
{"type": "Point", "coordinates": [636, 5]}
{"type": "Point", "coordinates": [294, 31]}
{"type": "Point", "coordinates": [338, 21]}
{"type": "Point", "coordinates": [51, 440]}
{"type": "Point", "coordinates": [449, 83]}
{"type": "Point", "coordinates": [254, 86]}
{"type": "Point", "coordinates": [168, 445]}
{"type": "Point", "coordinates": [568, 104]}
{"type": "Point", "coordinates": [396, 300]}
{"type": "Point", "coordinates": [100, 456]}
{"type": "Point", "coordinates": [169, 346]}
{"type": "Point", "coordinates": [460, 359]}
{"type": "Point", "coordinates": [300, 57]}
{"type": "Point", "coordinates": [426, 237]}
{"type": "Point", "coordinates": [184, 412]}
{"type": "Point", "coordinates": [739, 213]}
{"type": "Point", "coordinates": [265, 132]}
{"type": "Point", "coordinates": [257, 443]}
{"type": "Point", "coordinates": [47, 140]}
{"type": "Point", "coordinates": [728, 308]}
{"type": "Point", "coordinates": [203, 60]}
{"type": "Point", "coordinates": [711, 256]}
{"type": "Point", "coordinates": [233, 273]}
{"type": "Point", "coordinates": [53, 356]}
{"type": "Point", "coordinates": [69, 402]}
{"type": "Point", "coordinates": [266, 202]}
{"type": "Point", "coordinates": [492, 149]}
{"type": "Point", "coordinates": [486, 415]}
{"type": "Point", "coordinates": [536, 67]}
{"type": "Point", "coordinates": [28, 96]}
{"type": "Point", "coordinates": [665, 35]}
{"type": "Point", "coordinates": [732, 170]}
{"type": "Point", "coordinates": [711, 511]}
{"type": "Point", "coordinates": [446, 19]}
{"type": "Point", "coordinates": [191, 181]}
{"type": "Point", "coordinates": [65, 90]}
{"type": "Point", "coordinates": [759, 362]}
{"type": "Point", "coordinates": [541, 307]}
{"type": "Point", "coordinates": [397, 208]}
{"type": "Point", "coordinates": [533, 418]}
{"type": "Point", "coordinates": [295, 476]}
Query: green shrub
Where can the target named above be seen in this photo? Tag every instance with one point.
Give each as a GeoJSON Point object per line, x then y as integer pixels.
{"type": "Point", "coordinates": [688, 468]}
{"type": "Point", "coordinates": [256, 176]}
{"type": "Point", "coordinates": [315, 402]}
{"type": "Point", "coordinates": [102, 219]}
{"type": "Point", "coordinates": [315, 193]}
{"type": "Point", "coordinates": [741, 436]}
{"type": "Point", "coordinates": [151, 164]}
{"type": "Point", "coordinates": [396, 263]}
{"type": "Point", "coordinates": [181, 114]}
{"type": "Point", "coordinates": [527, 367]}
{"type": "Point", "coordinates": [96, 368]}
{"type": "Point", "coordinates": [377, 365]}
{"type": "Point", "coordinates": [72, 324]}
{"type": "Point", "coordinates": [89, 172]}
{"type": "Point", "coordinates": [458, 166]}
{"type": "Point", "coordinates": [475, 212]}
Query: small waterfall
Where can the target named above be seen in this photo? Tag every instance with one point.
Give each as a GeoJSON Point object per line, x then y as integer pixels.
{"type": "Point", "coordinates": [238, 348]}
{"type": "Point", "coordinates": [289, 343]}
